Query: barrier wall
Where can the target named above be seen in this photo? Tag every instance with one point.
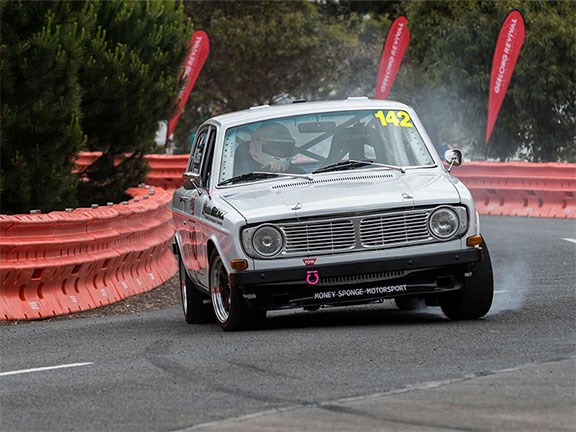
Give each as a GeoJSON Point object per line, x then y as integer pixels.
{"type": "Point", "coordinates": [165, 170]}
{"type": "Point", "coordinates": [499, 188]}
{"type": "Point", "coordinates": [63, 262]}
{"type": "Point", "coordinates": [521, 188]}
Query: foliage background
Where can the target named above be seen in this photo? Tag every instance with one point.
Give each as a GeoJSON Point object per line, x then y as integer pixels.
{"type": "Point", "coordinates": [94, 75]}
{"type": "Point", "coordinates": [100, 75]}
{"type": "Point", "coordinates": [129, 75]}
{"type": "Point", "coordinates": [450, 60]}
{"type": "Point", "coordinates": [445, 73]}
{"type": "Point", "coordinates": [40, 112]}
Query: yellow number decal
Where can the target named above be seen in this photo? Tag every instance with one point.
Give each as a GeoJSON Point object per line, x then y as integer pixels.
{"type": "Point", "coordinates": [405, 122]}
{"type": "Point", "coordinates": [380, 116]}
{"type": "Point", "coordinates": [391, 118]}
{"type": "Point", "coordinates": [400, 118]}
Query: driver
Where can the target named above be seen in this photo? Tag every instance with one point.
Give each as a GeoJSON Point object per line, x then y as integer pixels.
{"type": "Point", "coordinates": [271, 148]}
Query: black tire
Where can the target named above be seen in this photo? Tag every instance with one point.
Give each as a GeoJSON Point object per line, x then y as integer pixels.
{"type": "Point", "coordinates": [195, 311]}
{"type": "Point", "coordinates": [410, 303]}
{"type": "Point", "coordinates": [229, 308]}
{"type": "Point", "coordinates": [474, 300]}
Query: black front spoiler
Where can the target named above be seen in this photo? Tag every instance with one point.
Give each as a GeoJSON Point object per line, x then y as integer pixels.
{"type": "Point", "coordinates": [301, 274]}
{"type": "Point", "coordinates": [306, 286]}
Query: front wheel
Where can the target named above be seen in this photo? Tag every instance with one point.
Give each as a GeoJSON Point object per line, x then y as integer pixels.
{"type": "Point", "coordinates": [195, 311]}
{"type": "Point", "coordinates": [230, 310]}
{"type": "Point", "coordinates": [474, 299]}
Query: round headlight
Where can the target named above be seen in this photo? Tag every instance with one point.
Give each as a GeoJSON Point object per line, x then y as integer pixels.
{"type": "Point", "coordinates": [267, 241]}
{"type": "Point", "coordinates": [444, 223]}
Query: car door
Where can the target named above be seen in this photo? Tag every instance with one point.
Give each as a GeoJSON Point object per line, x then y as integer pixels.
{"type": "Point", "coordinates": [199, 166]}
{"type": "Point", "coordinates": [202, 202]}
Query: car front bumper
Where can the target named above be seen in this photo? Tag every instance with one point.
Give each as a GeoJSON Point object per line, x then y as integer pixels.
{"type": "Point", "coordinates": [356, 282]}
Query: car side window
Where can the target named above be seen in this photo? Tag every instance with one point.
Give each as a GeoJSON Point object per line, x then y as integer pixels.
{"type": "Point", "coordinates": [200, 161]}
{"type": "Point", "coordinates": [206, 169]}
{"type": "Point", "coordinates": [197, 154]}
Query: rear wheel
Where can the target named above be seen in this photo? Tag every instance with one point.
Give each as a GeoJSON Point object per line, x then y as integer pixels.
{"type": "Point", "coordinates": [473, 301]}
{"type": "Point", "coordinates": [230, 310]}
{"type": "Point", "coordinates": [195, 311]}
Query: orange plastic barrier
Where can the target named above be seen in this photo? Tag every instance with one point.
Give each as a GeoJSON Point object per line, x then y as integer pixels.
{"type": "Point", "coordinates": [499, 188]}
{"type": "Point", "coordinates": [165, 170]}
{"type": "Point", "coordinates": [64, 262]}
{"type": "Point", "coordinates": [521, 188]}
{"type": "Point", "coordinates": [86, 158]}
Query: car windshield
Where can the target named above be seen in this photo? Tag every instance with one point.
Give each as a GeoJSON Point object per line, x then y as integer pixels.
{"type": "Point", "coordinates": [319, 142]}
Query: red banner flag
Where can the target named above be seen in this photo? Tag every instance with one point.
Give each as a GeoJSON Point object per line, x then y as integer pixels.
{"type": "Point", "coordinates": [397, 41]}
{"type": "Point", "coordinates": [508, 48]}
{"type": "Point", "coordinates": [199, 48]}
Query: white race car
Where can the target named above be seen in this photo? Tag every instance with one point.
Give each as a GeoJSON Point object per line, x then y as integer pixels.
{"type": "Point", "coordinates": [316, 204]}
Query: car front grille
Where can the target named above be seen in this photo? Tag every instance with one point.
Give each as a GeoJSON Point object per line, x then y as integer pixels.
{"type": "Point", "coordinates": [323, 236]}
{"type": "Point", "coordinates": [394, 230]}
{"type": "Point", "coordinates": [362, 232]}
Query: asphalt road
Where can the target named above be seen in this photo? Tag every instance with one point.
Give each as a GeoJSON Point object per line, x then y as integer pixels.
{"type": "Point", "coordinates": [341, 369]}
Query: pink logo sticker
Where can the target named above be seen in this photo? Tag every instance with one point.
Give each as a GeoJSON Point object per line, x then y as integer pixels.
{"type": "Point", "coordinates": [309, 261]}
{"type": "Point", "coordinates": [312, 277]}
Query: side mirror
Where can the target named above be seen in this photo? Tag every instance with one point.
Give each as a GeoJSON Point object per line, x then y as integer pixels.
{"type": "Point", "coordinates": [191, 180]}
{"type": "Point", "coordinates": [453, 157]}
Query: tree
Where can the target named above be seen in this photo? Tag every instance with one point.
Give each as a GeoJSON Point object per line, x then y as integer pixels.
{"type": "Point", "coordinates": [265, 52]}
{"type": "Point", "coordinates": [360, 59]}
{"type": "Point", "coordinates": [374, 8]}
{"type": "Point", "coordinates": [97, 75]}
{"type": "Point", "coordinates": [260, 52]}
{"type": "Point", "coordinates": [546, 95]}
{"type": "Point", "coordinates": [449, 63]}
{"type": "Point", "coordinates": [130, 77]}
{"type": "Point", "coordinates": [40, 103]}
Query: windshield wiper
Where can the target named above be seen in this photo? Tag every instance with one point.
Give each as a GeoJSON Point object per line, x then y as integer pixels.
{"type": "Point", "coordinates": [351, 164]}
{"type": "Point", "coordinates": [261, 175]}
{"type": "Point", "coordinates": [247, 177]}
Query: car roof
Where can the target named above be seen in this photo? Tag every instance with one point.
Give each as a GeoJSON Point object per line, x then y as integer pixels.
{"type": "Point", "coordinates": [264, 112]}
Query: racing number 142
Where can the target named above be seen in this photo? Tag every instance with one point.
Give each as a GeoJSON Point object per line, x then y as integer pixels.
{"type": "Point", "coordinates": [401, 119]}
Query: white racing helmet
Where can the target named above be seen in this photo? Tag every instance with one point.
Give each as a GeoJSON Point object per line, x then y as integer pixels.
{"type": "Point", "coordinates": [272, 142]}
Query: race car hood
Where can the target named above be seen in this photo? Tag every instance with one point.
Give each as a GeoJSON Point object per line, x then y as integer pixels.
{"type": "Point", "coordinates": [341, 193]}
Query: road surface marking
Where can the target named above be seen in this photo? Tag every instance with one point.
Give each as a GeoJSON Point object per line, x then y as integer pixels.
{"type": "Point", "coordinates": [570, 240]}
{"type": "Point", "coordinates": [23, 371]}
{"type": "Point", "coordinates": [500, 292]}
